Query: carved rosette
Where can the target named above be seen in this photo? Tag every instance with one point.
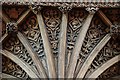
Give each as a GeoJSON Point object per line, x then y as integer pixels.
{"type": "Point", "coordinates": [92, 10]}
{"type": "Point", "coordinates": [11, 27]}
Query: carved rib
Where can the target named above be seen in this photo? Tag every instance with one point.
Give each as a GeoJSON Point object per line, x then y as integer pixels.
{"type": "Point", "coordinates": [105, 66]}
{"type": "Point", "coordinates": [33, 55]}
{"type": "Point", "coordinates": [46, 43]}
{"type": "Point", "coordinates": [23, 16]}
{"type": "Point", "coordinates": [62, 47]}
{"type": "Point", "coordinates": [4, 75]}
{"type": "Point", "coordinates": [78, 46]}
{"type": "Point", "coordinates": [92, 55]}
{"type": "Point", "coordinates": [21, 63]}
{"type": "Point", "coordinates": [104, 18]}
{"type": "Point", "coordinates": [4, 17]}
{"type": "Point", "coordinates": [3, 37]}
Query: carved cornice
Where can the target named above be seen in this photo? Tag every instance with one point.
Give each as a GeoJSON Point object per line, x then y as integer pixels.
{"type": "Point", "coordinates": [74, 4]}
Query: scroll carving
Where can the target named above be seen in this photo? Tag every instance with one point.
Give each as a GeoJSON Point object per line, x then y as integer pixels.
{"type": "Point", "coordinates": [111, 50]}
{"type": "Point", "coordinates": [13, 69]}
{"type": "Point", "coordinates": [76, 19]}
{"type": "Point", "coordinates": [52, 21]}
{"type": "Point", "coordinates": [13, 45]}
{"type": "Point", "coordinates": [93, 36]}
{"type": "Point", "coordinates": [95, 33]}
{"type": "Point", "coordinates": [31, 30]}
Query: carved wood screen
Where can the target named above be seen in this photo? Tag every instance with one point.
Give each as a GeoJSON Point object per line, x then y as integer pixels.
{"type": "Point", "coordinates": [60, 40]}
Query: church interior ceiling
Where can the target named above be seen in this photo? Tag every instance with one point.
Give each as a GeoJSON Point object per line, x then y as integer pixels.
{"type": "Point", "coordinates": [60, 41]}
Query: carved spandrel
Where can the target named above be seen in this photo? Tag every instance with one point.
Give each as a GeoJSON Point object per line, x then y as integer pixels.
{"type": "Point", "coordinates": [94, 34]}
{"type": "Point", "coordinates": [9, 67]}
{"type": "Point", "coordinates": [110, 50]}
{"type": "Point", "coordinates": [76, 18]}
{"type": "Point", "coordinates": [52, 21]}
{"type": "Point", "coordinates": [13, 45]}
{"type": "Point", "coordinates": [31, 30]}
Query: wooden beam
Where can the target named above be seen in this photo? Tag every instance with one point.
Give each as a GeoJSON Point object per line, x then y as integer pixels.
{"type": "Point", "coordinates": [33, 55]}
{"type": "Point", "coordinates": [105, 66]}
{"type": "Point", "coordinates": [78, 45]}
{"type": "Point", "coordinates": [3, 37]}
{"type": "Point", "coordinates": [23, 16]}
{"type": "Point", "coordinates": [47, 47]}
{"type": "Point", "coordinates": [92, 55]}
{"type": "Point", "coordinates": [104, 18]}
{"type": "Point", "coordinates": [62, 46]}
{"type": "Point", "coordinates": [27, 68]}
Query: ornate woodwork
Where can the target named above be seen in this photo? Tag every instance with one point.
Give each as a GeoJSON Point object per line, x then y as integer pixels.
{"type": "Point", "coordinates": [42, 34]}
